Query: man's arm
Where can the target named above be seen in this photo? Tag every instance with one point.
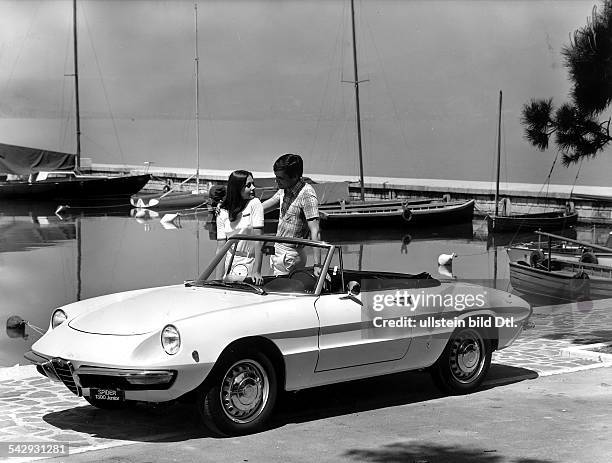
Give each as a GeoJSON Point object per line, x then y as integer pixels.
{"type": "Point", "coordinates": [271, 203]}
{"type": "Point", "coordinates": [313, 226]}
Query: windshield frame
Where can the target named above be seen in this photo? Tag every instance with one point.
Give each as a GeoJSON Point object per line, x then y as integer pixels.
{"type": "Point", "coordinates": [329, 248]}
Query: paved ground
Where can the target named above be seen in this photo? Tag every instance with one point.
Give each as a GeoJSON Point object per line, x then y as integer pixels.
{"type": "Point", "coordinates": [33, 408]}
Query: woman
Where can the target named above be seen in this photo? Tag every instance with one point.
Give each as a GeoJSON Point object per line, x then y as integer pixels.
{"type": "Point", "coordinates": [241, 213]}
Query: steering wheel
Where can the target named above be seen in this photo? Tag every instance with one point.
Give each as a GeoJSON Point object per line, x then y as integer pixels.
{"type": "Point", "coordinates": [309, 273]}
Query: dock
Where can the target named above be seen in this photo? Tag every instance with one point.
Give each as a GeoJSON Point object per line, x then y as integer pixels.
{"type": "Point", "coordinates": [523, 197]}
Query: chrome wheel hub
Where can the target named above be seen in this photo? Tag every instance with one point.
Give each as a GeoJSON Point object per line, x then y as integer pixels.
{"type": "Point", "coordinates": [244, 391]}
{"type": "Point", "coordinates": [466, 356]}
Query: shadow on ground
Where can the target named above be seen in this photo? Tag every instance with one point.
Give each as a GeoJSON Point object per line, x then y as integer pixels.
{"type": "Point", "coordinates": [175, 422]}
{"type": "Point", "coordinates": [371, 394]}
{"type": "Point", "coordinates": [432, 453]}
{"type": "Point", "coordinates": [582, 338]}
{"type": "Point", "coordinates": [168, 422]}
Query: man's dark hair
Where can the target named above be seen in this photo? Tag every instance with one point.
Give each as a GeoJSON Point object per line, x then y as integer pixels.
{"type": "Point", "coordinates": [291, 164]}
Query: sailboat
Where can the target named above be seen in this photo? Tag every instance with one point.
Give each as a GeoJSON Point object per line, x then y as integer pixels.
{"type": "Point", "coordinates": [33, 174]}
{"type": "Point", "coordinates": [555, 220]}
{"type": "Point", "coordinates": [172, 200]}
{"type": "Point", "coordinates": [383, 212]}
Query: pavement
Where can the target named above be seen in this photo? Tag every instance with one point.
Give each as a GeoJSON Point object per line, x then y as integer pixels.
{"type": "Point", "coordinates": [561, 416]}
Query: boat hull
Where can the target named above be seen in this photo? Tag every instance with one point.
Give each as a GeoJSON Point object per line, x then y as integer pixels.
{"type": "Point", "coordinates": [75, 191]}
{"type": "Point", "coordinates": [397, 214]}
{"type": "Point", "coordinates": [173, 201]}
{"type": "Point", "coordinates": [526, 222]}
{"type": "Point", "coordinates": [562, 282]}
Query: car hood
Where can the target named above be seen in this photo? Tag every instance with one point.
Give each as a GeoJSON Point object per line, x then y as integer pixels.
{"type": "Point", "coordinates": [142, 312]}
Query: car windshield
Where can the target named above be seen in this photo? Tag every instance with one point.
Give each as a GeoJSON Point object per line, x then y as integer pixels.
{"type": "Point", "coordinates": [265, 264]}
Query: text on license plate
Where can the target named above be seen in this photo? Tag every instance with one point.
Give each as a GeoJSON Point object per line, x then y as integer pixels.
{"type": "Point", "coordinates": [109, 395]}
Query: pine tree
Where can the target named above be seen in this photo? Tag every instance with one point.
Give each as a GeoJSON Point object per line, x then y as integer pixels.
{"type": "Point", "coordinates": [579, 126]}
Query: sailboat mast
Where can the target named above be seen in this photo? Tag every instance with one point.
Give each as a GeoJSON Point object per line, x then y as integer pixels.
{"type": "Point", "coordinates": [197, 98]}
{"type": "Point", "coordinates": [356, 76]}
{"type": "Point", "coordinates": [498, 154]}
{"type": "Point", "coordinates": [76, 87]}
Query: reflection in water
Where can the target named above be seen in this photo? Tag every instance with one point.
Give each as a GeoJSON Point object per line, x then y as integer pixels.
{"type": "Point", "coordinates": [47, 262]}
{"type": "Point", "coordinates": [22, 233]}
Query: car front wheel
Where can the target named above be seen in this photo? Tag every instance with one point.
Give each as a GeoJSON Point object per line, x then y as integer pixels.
{"type": "Point", "coordinates": [241, 396]}
{"type": "Point", "coordinates": [465, 361]}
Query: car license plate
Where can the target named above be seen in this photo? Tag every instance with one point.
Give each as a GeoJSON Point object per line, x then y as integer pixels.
{"type": "Point", "coordinates": [107, 395]}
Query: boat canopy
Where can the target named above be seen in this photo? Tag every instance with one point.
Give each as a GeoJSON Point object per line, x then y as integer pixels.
{"type": "Point", "coordinates": [21, 160]}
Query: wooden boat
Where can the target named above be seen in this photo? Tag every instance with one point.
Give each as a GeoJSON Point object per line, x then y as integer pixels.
{"type": "Point", "coordinates": [555, 220]}
{"type": "Point", "coordinates": [560, 249]}
{"type": "Point", "coordinates": [382, 212]}
{"type": "Point", "coordinates": [537, 221]}
{"type": "Point", "coordinates": [396, 213]}
{"type": "Point", "coordinates": [66, 184]}
{"type": "Point", "coordinates": [562, 278]}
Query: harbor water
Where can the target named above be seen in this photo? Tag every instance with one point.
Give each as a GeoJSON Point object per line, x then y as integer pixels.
{"type": "Point", "coordinates": [47, 261]}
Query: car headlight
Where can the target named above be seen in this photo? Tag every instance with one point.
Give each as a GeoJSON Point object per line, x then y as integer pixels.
{"type": "Point", "coordinates": [58, 317]}
{"type": "Point", "coordinates": [170, 339]}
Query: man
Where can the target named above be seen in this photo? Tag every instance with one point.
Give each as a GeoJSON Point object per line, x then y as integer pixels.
{"type": "Point", "coordinates": [298, 215]}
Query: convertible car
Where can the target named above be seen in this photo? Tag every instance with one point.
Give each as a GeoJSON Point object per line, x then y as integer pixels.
{"type": "Point", "coordinates": [231, 345]}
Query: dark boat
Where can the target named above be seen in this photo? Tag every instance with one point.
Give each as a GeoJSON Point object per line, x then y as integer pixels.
{"type": "Point", "coordinates": [30, 168]}
{"type": "Point", "coordinates": [556, 220]}
{"type": "Point", "coordinates": [39, 175]}
{"type": "Point", "coordinates": [561, 278]}
{"type": "Point", "coordinates": [396, 213]}
{"type": "Point", "coordinates": [526, 222]}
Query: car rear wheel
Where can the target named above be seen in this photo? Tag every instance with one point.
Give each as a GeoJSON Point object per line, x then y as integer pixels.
{"type": "Point", "coordinates": [241, 396]}
{"type": "Point", "coordinates": [465, 361]}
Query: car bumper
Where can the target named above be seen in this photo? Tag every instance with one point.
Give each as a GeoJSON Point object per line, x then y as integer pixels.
{"type": "Point", "coordinates": [150, 385]}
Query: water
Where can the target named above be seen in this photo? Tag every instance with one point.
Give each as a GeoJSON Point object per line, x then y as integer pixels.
{"type": "Point", "coordinates": [47, 261]}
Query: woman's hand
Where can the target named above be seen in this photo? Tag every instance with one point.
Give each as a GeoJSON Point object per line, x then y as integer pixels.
{"type": "Point", "coordinates": [257, 278]}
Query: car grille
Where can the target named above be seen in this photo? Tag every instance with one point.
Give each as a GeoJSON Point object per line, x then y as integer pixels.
{"type": "Point", "coordinates": [64, 370]}
{"type": "Point", "coordinates": [116, 382]}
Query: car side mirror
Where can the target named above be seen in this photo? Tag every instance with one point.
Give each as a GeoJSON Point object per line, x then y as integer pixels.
{"type": "Point", "coordinates": [353, 288]}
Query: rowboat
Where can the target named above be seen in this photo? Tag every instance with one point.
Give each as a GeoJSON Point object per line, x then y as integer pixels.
{"type": "Point", "coordinates": [563, 278]}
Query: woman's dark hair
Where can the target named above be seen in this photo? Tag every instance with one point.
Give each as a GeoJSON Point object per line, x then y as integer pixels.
{"type": "Point", "coordinates": [291, 164]}
{"type": "Point", "coordinates": [234, 203]}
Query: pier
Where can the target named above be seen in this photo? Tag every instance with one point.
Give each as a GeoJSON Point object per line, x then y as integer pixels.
{"type": "Point", "coordinates": [523, 197]}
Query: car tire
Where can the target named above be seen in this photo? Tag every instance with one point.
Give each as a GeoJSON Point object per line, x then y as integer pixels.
{"type": "Point", "coordinates": [465, 361]}
{"type": "Point", "coordinates": [241, 395]}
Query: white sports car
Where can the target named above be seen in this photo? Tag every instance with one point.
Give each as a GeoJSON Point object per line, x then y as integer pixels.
{"type": "Point", "coordinates": [232, 345]}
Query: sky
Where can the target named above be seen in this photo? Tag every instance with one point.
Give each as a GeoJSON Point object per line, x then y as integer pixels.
{"type": "Point", "coordinates": [271, 78]}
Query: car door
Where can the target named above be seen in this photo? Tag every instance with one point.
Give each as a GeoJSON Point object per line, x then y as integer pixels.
{"type": "Point", "coordinates": [355, 330]}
